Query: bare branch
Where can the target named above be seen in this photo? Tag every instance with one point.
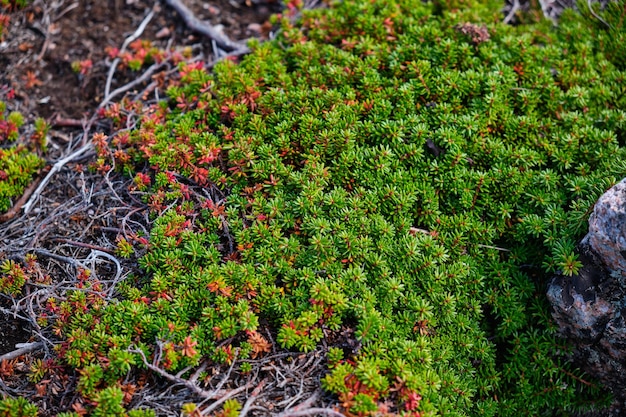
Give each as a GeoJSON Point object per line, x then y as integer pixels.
{"type": "Point", "coordinates": [12, 212]}
{"type": "Point", "coordinates": [514, 8]}
{"type": "Point", "coordinates": [48, 254]}
{"type": "Point", "coordinates": [144, 77]}
{"type": "Point", "coordinates": [206, 29]}
{"type": "Point", "coordinates": [218, 394]}
{"type": "Point", "coordinates": [493, 247]}
{"type": "Point", "coordinates": [127, 42]}
{"type": "Point", "coordinates": [596, 15]}
{"type": "Point", "coordinates": [312, 412]}
{"type": "Point", "coordinates": [253, 396]}
{"type": "Point", "coordinates": [228, 395]}
{"type": "Point", "coordinates": [304, 404]}
{"type": "Point", "coordinates": [55, 168]}
{"type": "Point", "coordinates": [22, 350]}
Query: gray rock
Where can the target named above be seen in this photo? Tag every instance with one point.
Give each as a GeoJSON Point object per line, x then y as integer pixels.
{"type": "Point", "coordinates": [590, 308]}
{"type": "Point", "coordinates": [607, 230]}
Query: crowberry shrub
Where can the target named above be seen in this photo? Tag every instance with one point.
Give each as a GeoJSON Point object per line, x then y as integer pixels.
{"type": "Point", "coordinates": [408, 174]}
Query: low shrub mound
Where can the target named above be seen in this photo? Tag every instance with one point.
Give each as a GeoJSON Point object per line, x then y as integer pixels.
{"type": "Point", "coordinates": [394, 181]}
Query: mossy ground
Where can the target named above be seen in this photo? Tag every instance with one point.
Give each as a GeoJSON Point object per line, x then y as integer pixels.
{"type": "Point", "coordinates": [408, 174]}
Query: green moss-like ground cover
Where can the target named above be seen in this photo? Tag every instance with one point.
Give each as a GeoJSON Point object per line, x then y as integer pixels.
{"type": "Point", "coordinates": [412, 171]}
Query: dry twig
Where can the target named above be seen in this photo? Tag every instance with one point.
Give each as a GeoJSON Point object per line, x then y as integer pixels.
{"type": "Point", "coordinates": [12, 212]}
{"type": "Point", "coordinates": [128, 41]}
{"type": "Point", "coordinates": [306, 404]}
{"type": "Point", "coordinates": [206, 29]}
{"type": "Point", "coordinates": [55, 168]}
{"type": "Point", "coordinates": [217, 394]}
{"type": "Point", "coordinates": [593, 12]}
{"type": "Point", "coordinates": [22, 350]}
{"type": "Point", "coordinates": [83, 245]}
{"type": "Point", "coordinates": [514, 8]}
{"type": "Point", "coordinates": [253, 396]}
{"type": "Point", "coordinates": [312, 412]}
{"type": "Point", "coordinates": [144, 77]}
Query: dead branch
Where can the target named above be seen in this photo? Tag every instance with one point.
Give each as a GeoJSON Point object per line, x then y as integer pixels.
{"type": "Point", "coordinates": [228, 395]}
{"type": "Point", "coordinates": [48, 254]}
{"type": "Point", "coordinates": [306, 404]}
{"type": "Point", "coordinates": [514, 8]}
{"type": "Point", "coordinates": [59, 121]}
{"type": "Point", "coordinates": [217, 394]}
{"type": "Point", "coordinates": [83, 245]}
{"type": "Point", "coordinates": [13, 314]}
{"type": "Point", "coordinates": [55, 168]}
{"type": "Point", "coordinates": [22, 350]}
{"type": "Point", "coordinates": [144, 77]}
{"type": "Point", "coordinates": [206, 29]}
{"type": "Point", "coordinates": [594, 14]}
{"type": "Point", "coordinates": [493, 247]}
{"type": "Point", "coordinates": [253, 396]}
{"type": "Point", "coordinates": [118, 268]}
{"type": "Point", "coordinates": [546, 8]}
{"type": "Point", "coordinates": [127, 41]}
{"type": "Point", "coordinates": [312, 412]}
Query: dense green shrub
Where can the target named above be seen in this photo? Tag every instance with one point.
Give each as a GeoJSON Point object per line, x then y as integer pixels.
{"type": "Point", "coordinates": [17, 407]}
{"type": "Point", "coordinates": [411, 172]}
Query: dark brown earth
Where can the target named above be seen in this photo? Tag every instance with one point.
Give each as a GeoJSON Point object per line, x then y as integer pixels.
{"type": "Point", "coordinates": [12, 331]}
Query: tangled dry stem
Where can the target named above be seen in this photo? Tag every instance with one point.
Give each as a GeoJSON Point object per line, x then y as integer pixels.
{"type": "Point", "coordinates": [284, 384]}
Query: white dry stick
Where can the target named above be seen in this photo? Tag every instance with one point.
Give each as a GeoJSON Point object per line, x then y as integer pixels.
{"type": "Point", "coordinates": [206, 29]}
{"type": "Point", "coordinates": [189, 385]}
{"type": "Point", "coordinates": [94, 255]}
{"type": "Point", "coordinates": [545, 8]}
{"type": "Point", "coordinates": [312, 412]}
{"type": "Point", "coordinates": [127, 42]}
{"type": "Point", "coordinates": [306, 404]}
{"type": "Point", "coordinates": [22, 349]}
{"type": "Point", "coordinates": [217, 394]}
{"type": "Point", "coordinates": [144, 77]}
{"type": "Point", "coordinates": [98, 253]}
{"type": "Point", "coordinates": [55, 168]}
{"type": "Point", "coordinates": [596, 15]}
{"type": "Point", "coordinates": [230, 394]}
{"type": "Point", "coordinates": [514, 9]}
{"type": "Point", "coordinates": [252, 398]}
{"type": "Point", "coordinates": [493, 247]}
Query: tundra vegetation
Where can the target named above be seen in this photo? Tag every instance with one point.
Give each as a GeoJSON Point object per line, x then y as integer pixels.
{"type": "Point", "coordinates": [394, 182]}
{"type": "Point", "coordinates": [19, 159]}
